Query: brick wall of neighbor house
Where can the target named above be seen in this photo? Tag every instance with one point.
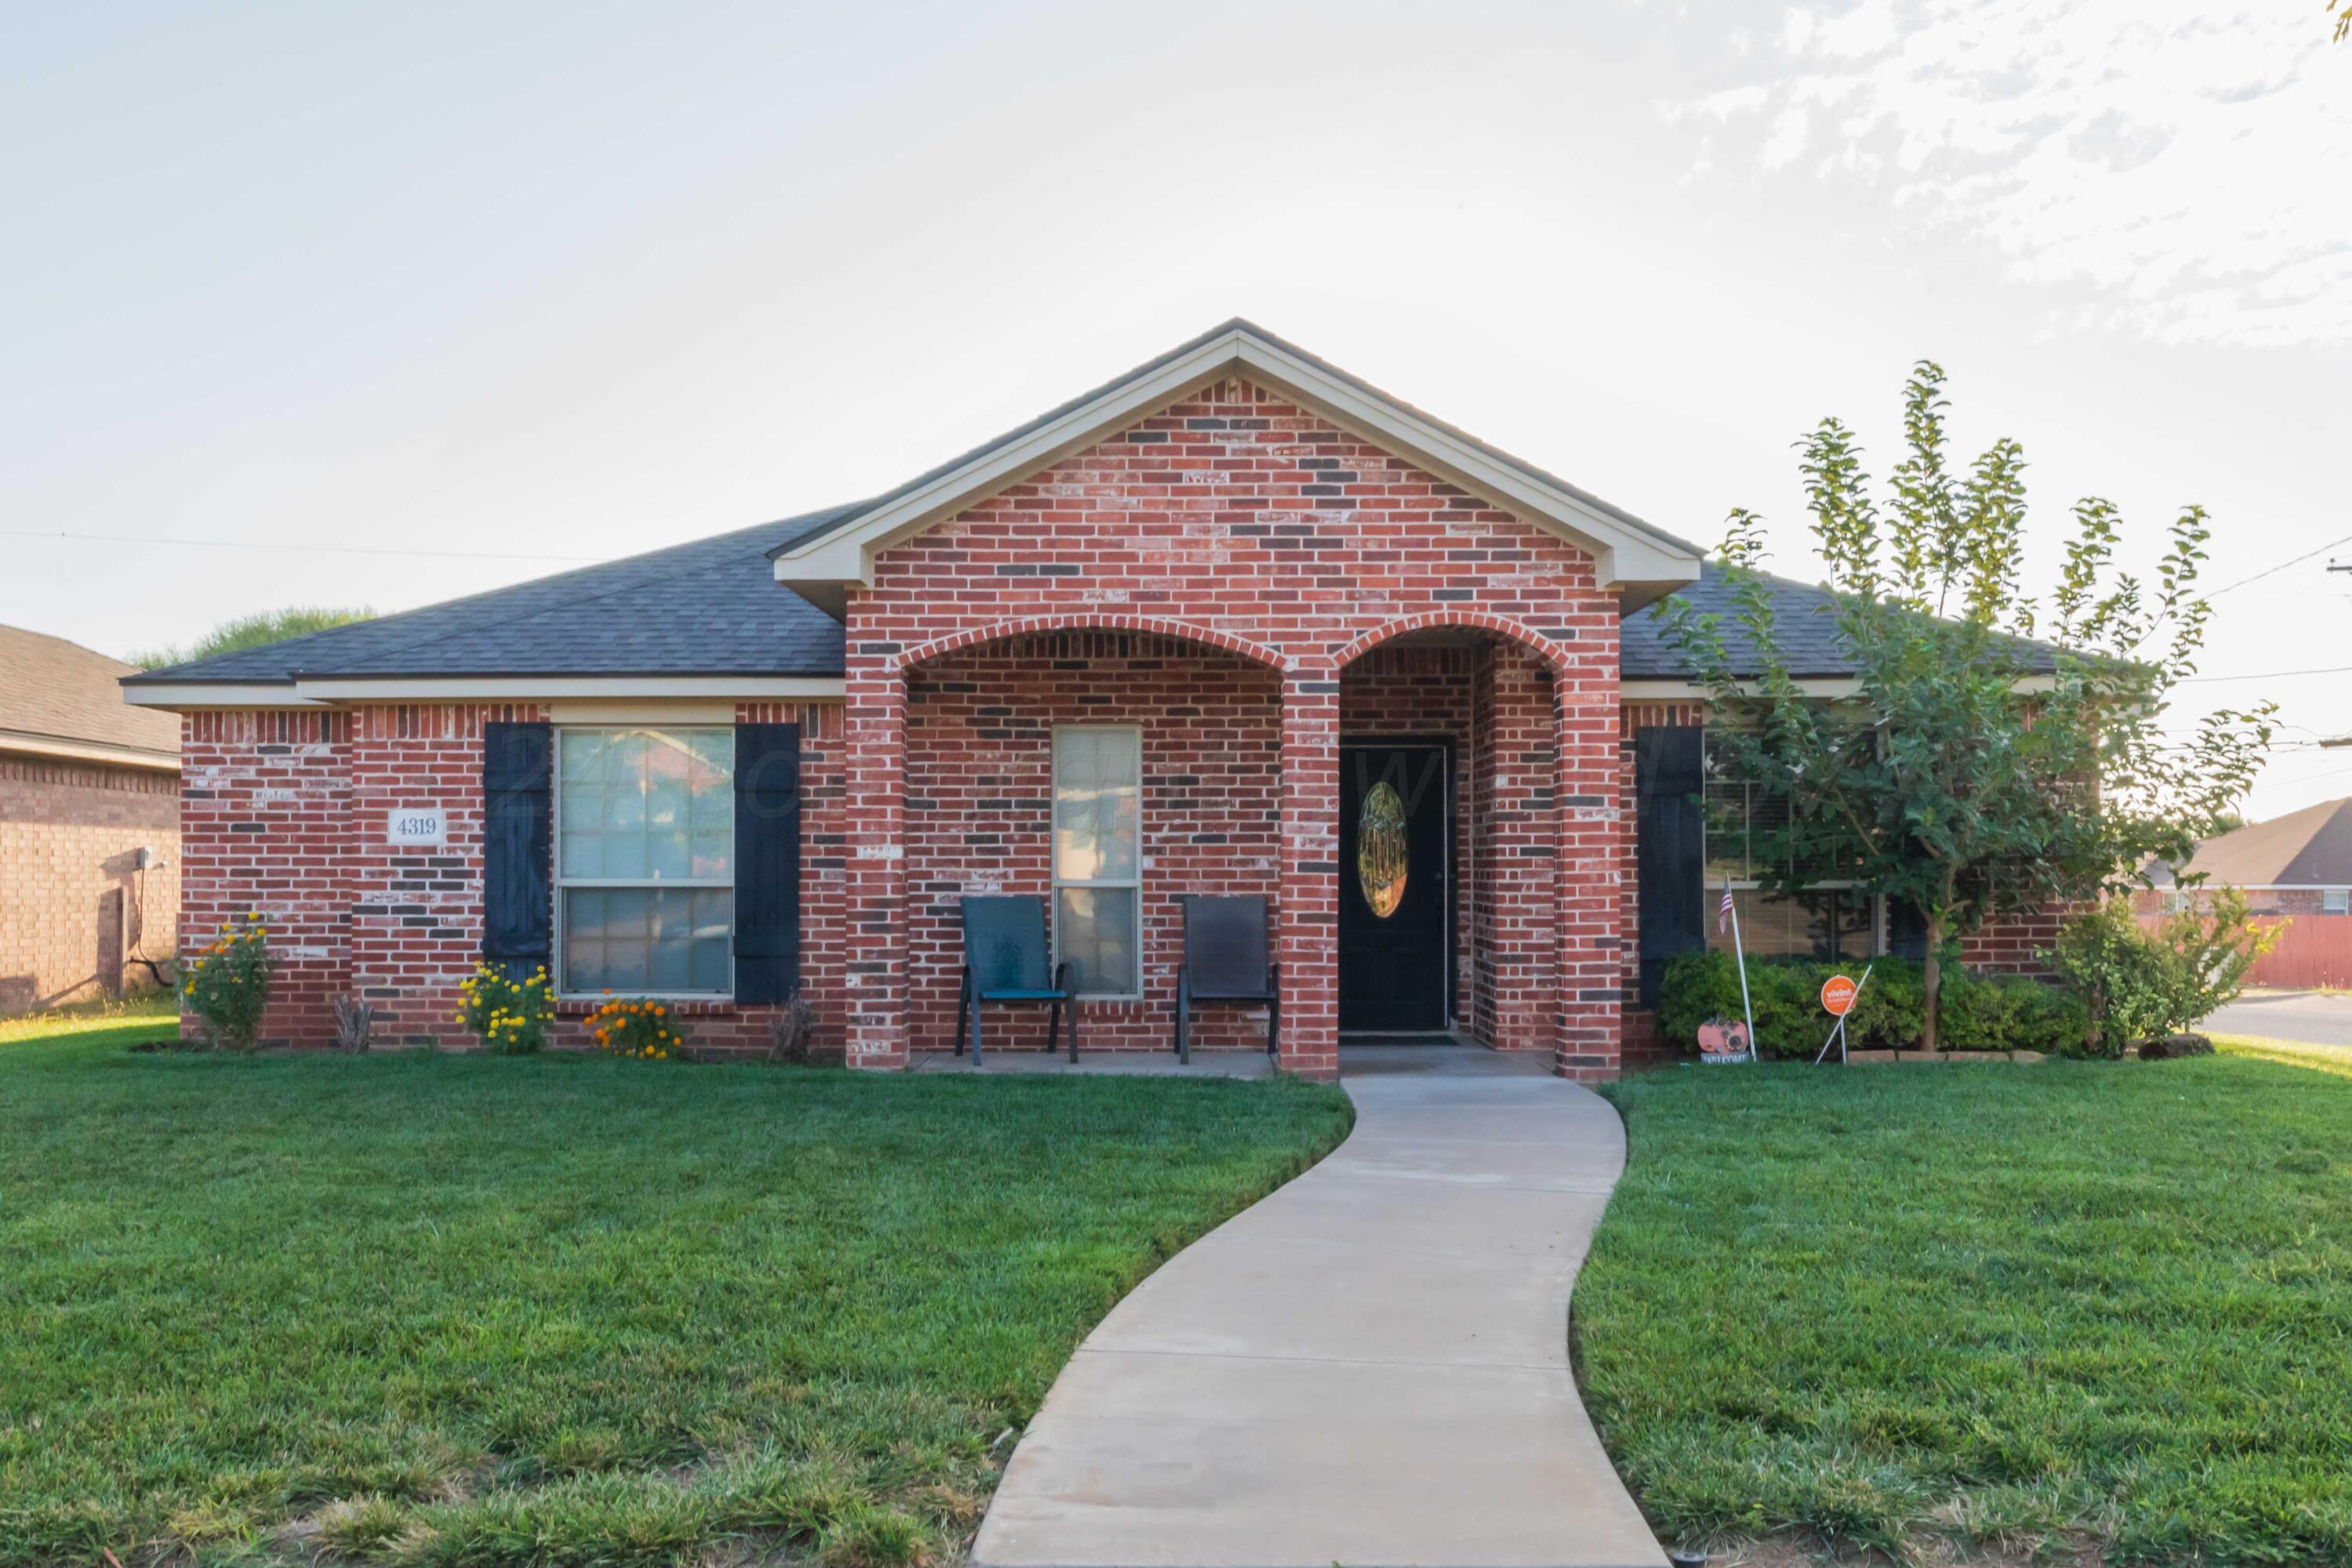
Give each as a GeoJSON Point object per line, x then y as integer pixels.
{"type": "Point", "coordinates": [1240, 520]}
{"type": "Point", "coordinates": [284, 815]}
{"type": "Point", "coordinates": [76, 913]}
{"type": "Point", "coordinates": [2259, 900]}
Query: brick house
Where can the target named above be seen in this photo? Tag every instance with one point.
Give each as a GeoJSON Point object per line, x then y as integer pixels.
{"type": "Point", "coordinates": [1176, 636]}
{"type": "Point", "coordinates": [2299, 864]}
{"type": "Point", "coordinates": [90, 827]}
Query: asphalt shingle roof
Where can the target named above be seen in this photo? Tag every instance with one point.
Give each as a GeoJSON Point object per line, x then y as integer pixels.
{"type": "Point", "coordinates": [60, 690]}
{"type": "Point", "coordinates": [2306, 848]}
{"type": "Point", "coordinates": [711, 607]}
{"type": "Point", "coordinates": [1805, 620]}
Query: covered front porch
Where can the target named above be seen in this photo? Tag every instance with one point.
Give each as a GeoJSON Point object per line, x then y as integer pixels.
{"type": "Point", "coordinates": [1435, 832]}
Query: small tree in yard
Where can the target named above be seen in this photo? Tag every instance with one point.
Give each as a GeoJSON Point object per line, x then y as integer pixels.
{"type": "Point", "coordinates": [1973, 774]}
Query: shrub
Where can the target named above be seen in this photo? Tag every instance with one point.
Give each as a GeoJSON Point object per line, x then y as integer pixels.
{"type": "Point", "coordinates": [226, 985]}
{"type": "Point", "coordinates": [2137, 984]}
{"type": "Point", "coordinates": [637, 1028]}
{"type": "Point", "coordinates": [508, 1015]}
{"type": "Point", "coordinates": [791, 1030]}
{"type": "Point", "coordinates": [1981, 1013]}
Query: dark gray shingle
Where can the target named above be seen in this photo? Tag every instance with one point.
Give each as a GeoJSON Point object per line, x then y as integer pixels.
{"type": "Point", "coordinates": [709, 607]}
{"type": "Point", "coordinates": [1805, 619]}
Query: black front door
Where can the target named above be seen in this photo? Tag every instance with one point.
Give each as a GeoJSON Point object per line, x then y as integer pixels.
{"type": "Point", "coordinates": [1395, 911]}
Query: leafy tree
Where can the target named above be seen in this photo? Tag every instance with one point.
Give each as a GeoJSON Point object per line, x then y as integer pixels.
{"type": "Point", "coordinates": [1974, 773]}
{"type": "Point", "coordinates": [252, 631]}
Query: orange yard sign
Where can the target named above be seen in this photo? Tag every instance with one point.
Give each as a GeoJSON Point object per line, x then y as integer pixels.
{"type": "Point", "coordinates": [1837, 995]}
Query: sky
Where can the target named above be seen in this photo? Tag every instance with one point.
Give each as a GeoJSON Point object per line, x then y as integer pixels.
{"type": "Point", "coordinates": [378, 305]}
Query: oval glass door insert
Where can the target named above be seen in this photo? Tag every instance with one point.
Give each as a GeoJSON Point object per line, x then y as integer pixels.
{"type": "Point", "coordinates": [1381, 850]}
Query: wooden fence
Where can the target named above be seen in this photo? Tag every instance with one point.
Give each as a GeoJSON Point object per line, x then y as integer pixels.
{"type": "Point", "coordinates": [2315, 952]}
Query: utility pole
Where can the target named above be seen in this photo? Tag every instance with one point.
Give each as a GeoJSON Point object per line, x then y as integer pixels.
{"type": "Point", "coordinates": [2340, 741]}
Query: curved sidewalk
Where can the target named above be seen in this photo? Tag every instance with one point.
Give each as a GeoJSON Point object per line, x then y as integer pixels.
{"type": "Point", "coordinates": [1370, 1367]}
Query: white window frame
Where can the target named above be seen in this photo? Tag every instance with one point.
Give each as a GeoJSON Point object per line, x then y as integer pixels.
{"type": "Point", "coordinates": [564, 990]}
{"type": "Point", "coordinates": [2335, 900]}
{"type": "Point", "coordinates": [1054, 859]}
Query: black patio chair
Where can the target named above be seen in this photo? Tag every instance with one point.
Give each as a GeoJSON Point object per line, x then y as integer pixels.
{"type": "Point", "coordinates": [1005, 959]}
{"type": "Point", "coordinates": [1226, 959]}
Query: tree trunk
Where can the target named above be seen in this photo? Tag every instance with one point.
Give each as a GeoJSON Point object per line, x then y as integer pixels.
{"type": "Point", "coordinates": [1935, 980]}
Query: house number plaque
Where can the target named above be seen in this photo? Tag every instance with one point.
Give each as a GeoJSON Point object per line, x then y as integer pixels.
{"type": "Point", "coordinates": [418, 828]}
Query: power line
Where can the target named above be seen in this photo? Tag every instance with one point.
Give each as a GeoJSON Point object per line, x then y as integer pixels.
{"type": "Point", "coordinates": [316, 548]}
{"type": "Point", "coordinates": [2270, 675]}
{"type": "Point", "coordinates": [2270, 571]}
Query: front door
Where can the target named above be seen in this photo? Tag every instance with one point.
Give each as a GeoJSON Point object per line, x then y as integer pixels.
{"type": "Point", "coordinates": [1395, 908]}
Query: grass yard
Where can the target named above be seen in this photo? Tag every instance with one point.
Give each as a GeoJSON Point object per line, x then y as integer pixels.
{"type": "Point", "coordinates": [472, 1311]}
{"type": "Point", "coordinates": [2024, 1311]}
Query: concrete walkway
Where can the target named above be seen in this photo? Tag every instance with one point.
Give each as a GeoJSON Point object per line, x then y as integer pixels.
{"type": "Point", "coordinates": [1370, 1367]}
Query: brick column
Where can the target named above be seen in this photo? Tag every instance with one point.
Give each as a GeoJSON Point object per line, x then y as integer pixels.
{"type": "Point", "coordinates": [874, 906]}
{"type": "Point", "coordinates": [1308, 937]}
{"type": "Point", "coordinates": [1589, 876]}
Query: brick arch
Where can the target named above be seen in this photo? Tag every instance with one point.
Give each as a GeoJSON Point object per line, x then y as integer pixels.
{"type": "Point", "coordinates": [1084, 620]}
{"type": "Point", "coordinates": [1555, 658]}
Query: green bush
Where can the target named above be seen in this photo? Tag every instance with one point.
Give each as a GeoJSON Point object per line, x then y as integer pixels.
{"type": "Point", "coordinates": [1980, 1012]}
{"type": "Point", "coordinates": [2136, 984]}
{"type": "Point", "coordinates": [226, 985]}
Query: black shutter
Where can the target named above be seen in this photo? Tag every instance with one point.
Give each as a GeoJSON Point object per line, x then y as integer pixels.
{"type": "Point", "coordinates": [518, 905]}
{"type": "Point", "coordinates": [1906, 930]}
{"type": "Point", "coordinates": [1670, 847]}
{"type": "Point", "coordinates": [767, 861]}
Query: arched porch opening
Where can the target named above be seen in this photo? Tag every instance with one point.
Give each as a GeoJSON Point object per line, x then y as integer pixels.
{"type": "Point", "coordinates": [1108, 766]}
{"type": "Point", "coordinates": [1478, 846]}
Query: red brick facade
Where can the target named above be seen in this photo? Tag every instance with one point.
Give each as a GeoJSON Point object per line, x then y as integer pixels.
{"type": "Point", "coordinates": [283, 816]}
{"type": "Point", "coordinates": [76, 914]}
{"type": "Point", "coordinates": [1240, 523]}
{"type": "Point", "coordinates": [1250, 586]}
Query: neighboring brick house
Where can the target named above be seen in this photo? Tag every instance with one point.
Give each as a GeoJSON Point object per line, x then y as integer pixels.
{"type": "Point", "coordinates": [90, 827]}
{"type": "Point", "coordinates": [1170, 638]}
{"type": "Point", "coordinates": [2299, 864]}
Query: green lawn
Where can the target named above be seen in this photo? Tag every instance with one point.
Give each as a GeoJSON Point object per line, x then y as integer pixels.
{"type": "Point", "coordinates": [445, 1310]}
{"type": "Point", "coordinates": [2017, 1310]}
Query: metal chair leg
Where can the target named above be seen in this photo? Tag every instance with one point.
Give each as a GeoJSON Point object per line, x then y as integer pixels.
{"type": "Point", "coordinates": [975, 1028]}
{"type": "Point", "coordinates": [1274, 1014]}
{"type": "Point", "coordinates": [963, 1006]}
{"type": "Point", "coordinates": [1053, 1023]}
{"type": "Point", "coordinates": [1185, 1020]}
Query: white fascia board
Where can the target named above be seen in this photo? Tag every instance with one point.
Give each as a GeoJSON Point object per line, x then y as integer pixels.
{"type": "Point", "coordinates": [1622, 554]}
{"type": "Point", "coordinates": [21, 744]}
{"type": "Point", "coordinates": [500, 687]}
{"type": "Point", "coordinates": [528, 688]}
{"type": "Point", "coordinates": [186, 696]}
{"type": "Point", "coordinates": [1826, 687]}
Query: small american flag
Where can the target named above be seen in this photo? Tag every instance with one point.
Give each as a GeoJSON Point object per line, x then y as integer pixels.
{"type": "Point", "coordinates": [1723, 915]}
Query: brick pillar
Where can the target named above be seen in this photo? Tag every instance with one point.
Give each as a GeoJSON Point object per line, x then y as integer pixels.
{"type": "Point", "coordinates": [874, 980]}
{"type": "Point", "coordinates": [1589, 876]}
{"type": "Point", "coordinates": [1307, 938]}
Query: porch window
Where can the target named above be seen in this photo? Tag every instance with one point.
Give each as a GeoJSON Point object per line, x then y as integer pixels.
{"type": "Point", "coordinates": [1098, 858]}
{"type": "Point", "coordinates": [1831, 919]}
{"type": "Point", "coordinates": [644, 861]}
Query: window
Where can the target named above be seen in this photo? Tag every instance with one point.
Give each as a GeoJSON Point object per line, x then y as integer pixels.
{"type": "Point", "coordinates": [1830, 919]}
{"type": "Point", "coordinates": [2335, 900]}
{"type": "Point", "coordinates": [645, 860]}
{"type": "Point", "coordinates": [1098, 858]}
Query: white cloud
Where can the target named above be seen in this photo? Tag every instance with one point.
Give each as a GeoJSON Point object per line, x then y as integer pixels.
{"type": "Point", "coordinates": [2175, 164]}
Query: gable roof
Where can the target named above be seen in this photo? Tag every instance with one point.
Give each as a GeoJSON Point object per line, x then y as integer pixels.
{"type": "Point", "coordinates": [1804, 620]}
{"type": "Point", "coordinates": [1639, 560]}
{"type": "Point", "coordinates": [59, 698]}
{"type": "Point", "coordinates": [2306, 848]}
